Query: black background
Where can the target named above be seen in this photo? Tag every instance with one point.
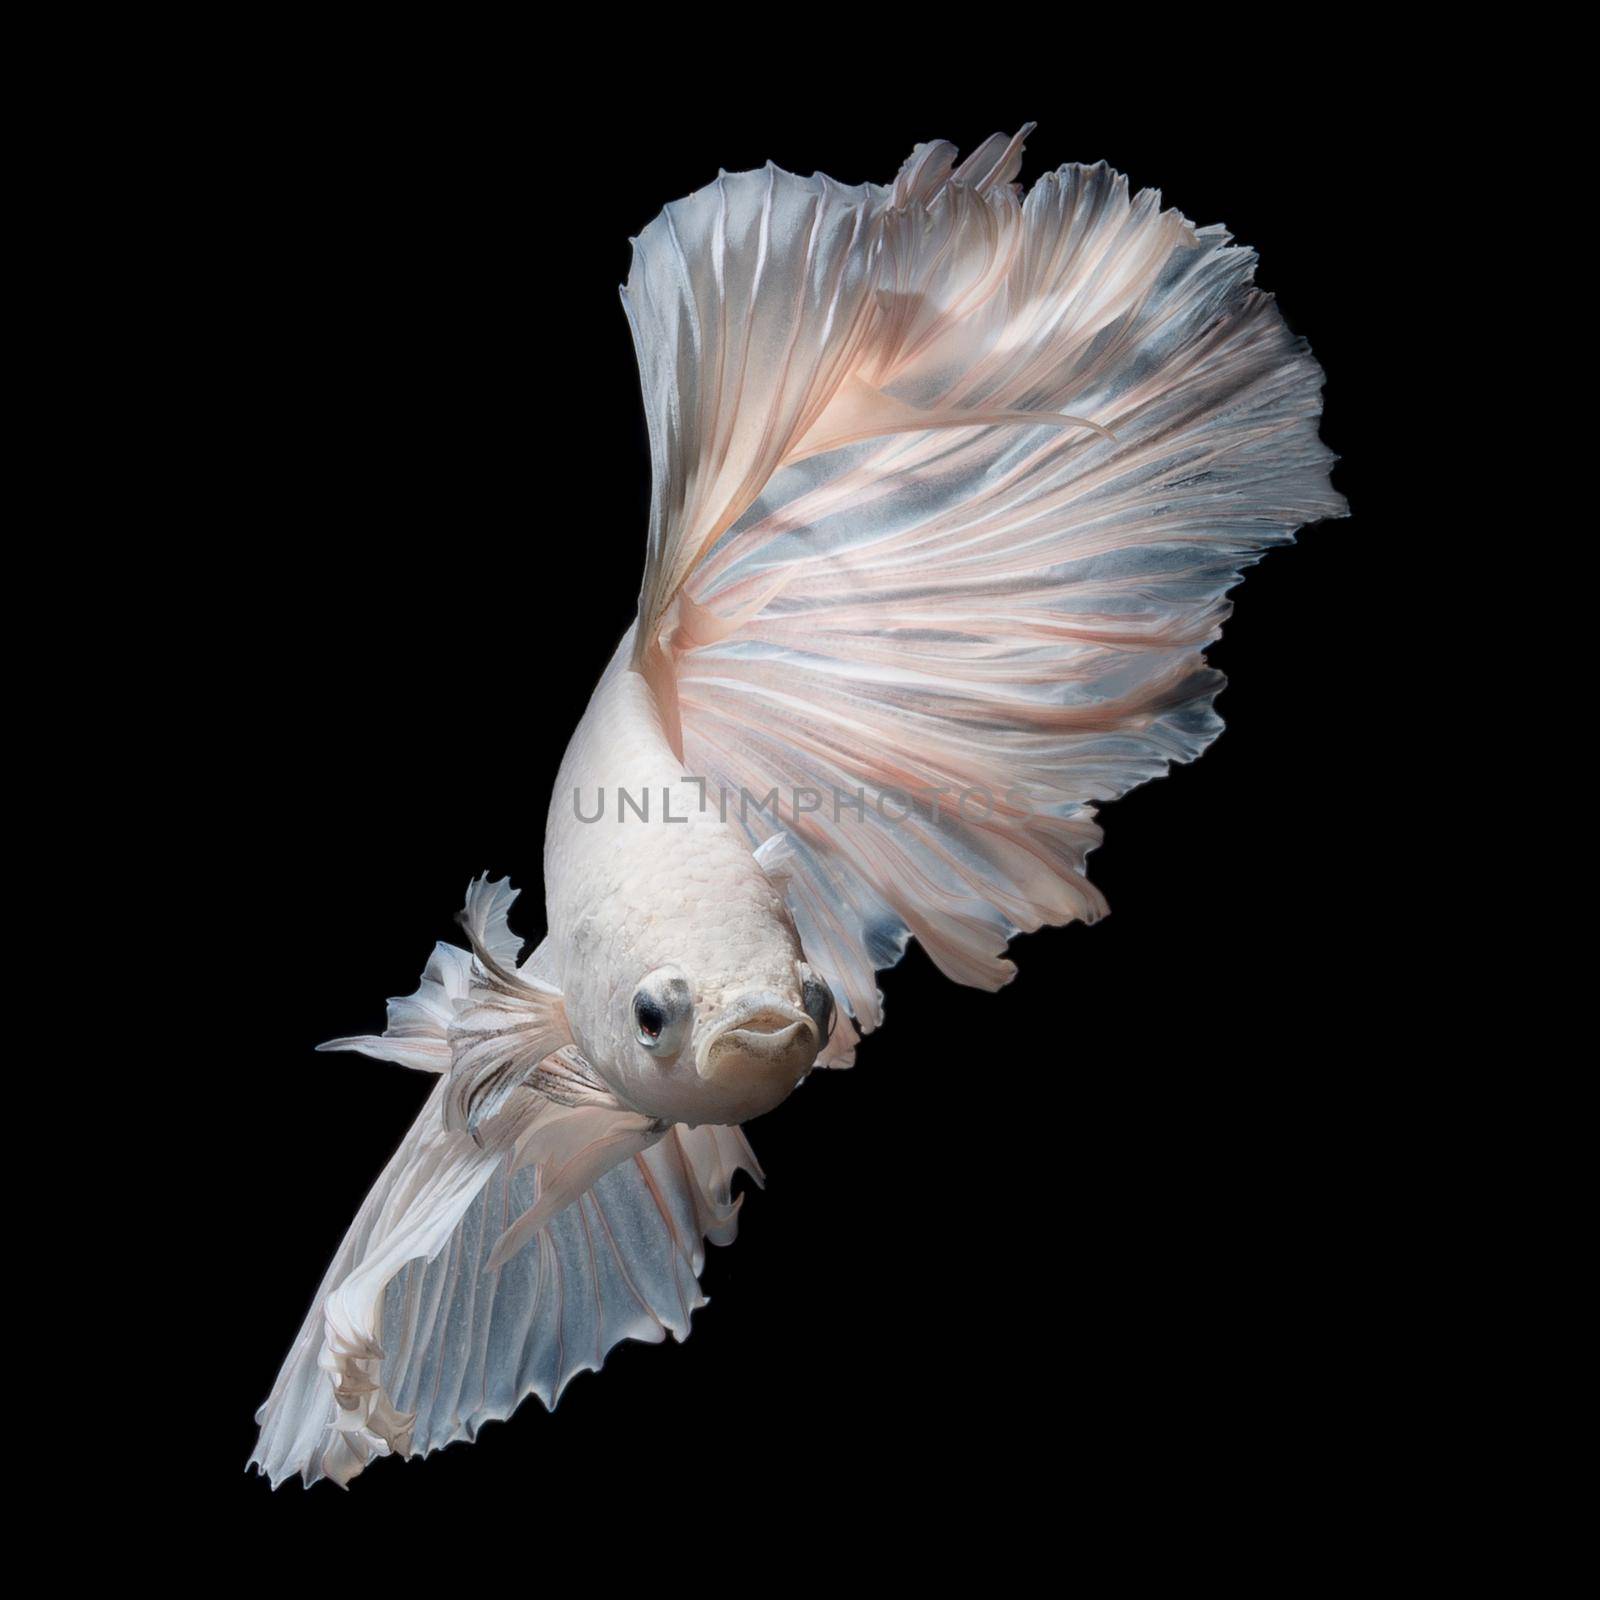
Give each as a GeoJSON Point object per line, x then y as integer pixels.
{"type": "Point", "coordinates": [1111, 1242]}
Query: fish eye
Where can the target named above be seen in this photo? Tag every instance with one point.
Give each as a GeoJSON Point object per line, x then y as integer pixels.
{"type": "Point", "coordinates": [663, 1010]}
{"type": "Point", "coordinates": [650, 1017]}
{"type": "Point", "coordinates": [817, 999]}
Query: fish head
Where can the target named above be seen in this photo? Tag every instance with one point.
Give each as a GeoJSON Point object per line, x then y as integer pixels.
{"type": "Point", "coordinates": [685, 982]}
{"type": "Point", "coordinates": [722, 1049]}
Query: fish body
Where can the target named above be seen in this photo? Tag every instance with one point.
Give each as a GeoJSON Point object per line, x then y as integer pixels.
{"type": "Point", "coordinates": [949, 485]}
{"type": "Point", "coordinates": [630, 893]}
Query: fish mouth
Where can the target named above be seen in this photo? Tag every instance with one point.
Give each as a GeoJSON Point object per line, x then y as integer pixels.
{"type": "Point", "coordinates": [762, 1037]}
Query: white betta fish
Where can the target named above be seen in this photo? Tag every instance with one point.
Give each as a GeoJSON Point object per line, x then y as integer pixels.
{"type": "Point", "coordinates": [948, 488]}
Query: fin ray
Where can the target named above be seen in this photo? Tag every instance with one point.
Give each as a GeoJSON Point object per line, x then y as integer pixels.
{"type": "Point", "coordinates": [904, 568]}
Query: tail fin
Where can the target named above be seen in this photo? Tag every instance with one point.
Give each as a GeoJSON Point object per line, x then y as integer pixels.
{"type": "Point", "coordinates": [950, 484]}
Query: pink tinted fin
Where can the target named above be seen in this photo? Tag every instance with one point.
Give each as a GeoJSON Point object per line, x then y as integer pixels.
{"type": "Point", "coordinates": [952, 484]}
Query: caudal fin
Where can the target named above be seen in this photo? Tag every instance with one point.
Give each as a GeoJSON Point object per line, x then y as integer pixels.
{"type": "Point", "coordinates": [950, 486]}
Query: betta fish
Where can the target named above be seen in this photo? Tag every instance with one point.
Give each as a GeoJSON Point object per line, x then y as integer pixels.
{"type": "Point", "coordinates": [949, 484]}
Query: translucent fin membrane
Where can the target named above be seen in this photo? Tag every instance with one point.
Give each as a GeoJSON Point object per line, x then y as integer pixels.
{"type": "Point", "coordinates": [414, 1341]}
{"type": "Point", "coordinates": [968, 478]}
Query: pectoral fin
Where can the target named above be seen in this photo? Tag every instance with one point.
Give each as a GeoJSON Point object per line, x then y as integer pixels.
{"type": "Point", "coordinates": [484, 1022]}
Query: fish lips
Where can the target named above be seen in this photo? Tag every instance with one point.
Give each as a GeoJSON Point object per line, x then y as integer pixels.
{"type": "Point", "coordinates": [760, 1044]}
